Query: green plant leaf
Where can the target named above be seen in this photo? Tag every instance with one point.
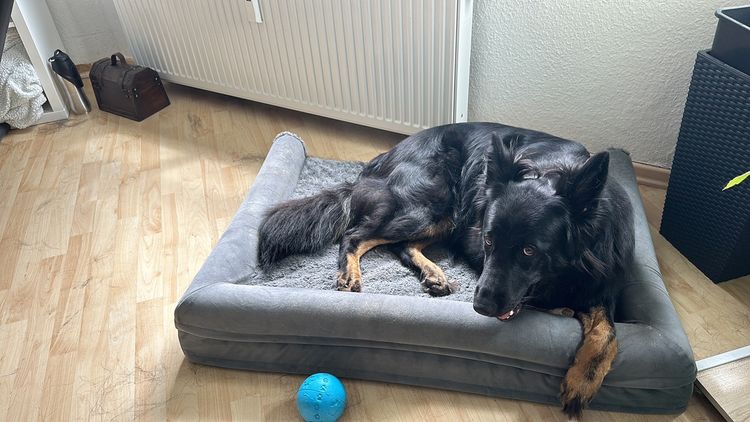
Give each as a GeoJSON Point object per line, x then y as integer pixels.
{"type": "Point", "coordinates": [737, 180]}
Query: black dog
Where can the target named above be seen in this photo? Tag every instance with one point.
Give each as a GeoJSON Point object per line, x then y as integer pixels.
{"type": "Point", "coordinates": [535, 214]}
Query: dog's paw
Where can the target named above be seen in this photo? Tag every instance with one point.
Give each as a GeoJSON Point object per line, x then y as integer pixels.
{"type": "Point", "coordinates": [437, 284]}
{"type": "Point", "coordinates": [349, 282]}
{"type": "Point", "coordinates": [573, 409]}
{"type": "Point", "coordinates": [573, 401]}
{"type": "Point", "coordinates": [565, 312]}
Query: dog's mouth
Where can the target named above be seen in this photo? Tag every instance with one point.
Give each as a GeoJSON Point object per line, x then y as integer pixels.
{"type": "Point", "coordinates": [510, 314]}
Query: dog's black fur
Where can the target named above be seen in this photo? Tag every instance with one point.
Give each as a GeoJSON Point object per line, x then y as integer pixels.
{"type": "Point", "coordinates": [534, 214]}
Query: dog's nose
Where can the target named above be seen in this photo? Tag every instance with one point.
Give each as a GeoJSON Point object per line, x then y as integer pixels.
{"type": "Point", "coordinates": [484, 308]}
{"type": "Point", "coordinates": [483, 303]}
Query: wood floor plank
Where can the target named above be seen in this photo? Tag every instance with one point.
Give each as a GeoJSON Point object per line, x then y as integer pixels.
{"type": "Point", "coordinates": [11, 175]}
{"type": "Point", "coordinates": [11, 333]}
{"type": "Point", "coordinates": [68, 315]}
{"type": "Point", "coordinates": [739, 288]}
{"type": "Point", "coordinates": [57, 392]}
{"type": "Point", "coordinates": [85, 204]}
{"type": "Point", "coordinates": [25, 398]}
{"type": "Point", "coordinates": [35, 164]}
{"type": "Point", "coordinates": [150, 367]}
{"type": "Point", "coordinates": [728, 386]}
{"type": "Point", "coordinates": [105, 221]}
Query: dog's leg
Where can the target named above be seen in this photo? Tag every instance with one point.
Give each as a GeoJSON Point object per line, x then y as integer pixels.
{"type": "Point", "coordinates": [433, 279]}
{"type": "Point", "coordinates": [564, 312]}
{"type": "Point", "coordinates": [349, 277]}
{"type": "Point", "coordinates": [593, 361]}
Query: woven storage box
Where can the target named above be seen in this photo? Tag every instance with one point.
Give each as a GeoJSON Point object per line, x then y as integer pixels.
{"type": "Point", "coordinates": [709, 226]}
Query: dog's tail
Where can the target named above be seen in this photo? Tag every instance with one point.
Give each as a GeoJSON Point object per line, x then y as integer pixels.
{"type": "Point", "coordinates": [304, 225]}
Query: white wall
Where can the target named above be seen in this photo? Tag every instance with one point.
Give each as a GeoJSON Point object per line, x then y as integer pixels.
{"type": "Point", "coordinates": [605, 73]}
{"type": "Point", "coordinates": [90, 29]}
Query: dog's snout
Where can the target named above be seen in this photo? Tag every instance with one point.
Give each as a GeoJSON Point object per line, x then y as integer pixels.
{"type": "Point", "coordinates": [483, 303]}
{"type": "Point", "coordinates": [484, 308]}
{"type": "Point", "coordinates": [483, 293]}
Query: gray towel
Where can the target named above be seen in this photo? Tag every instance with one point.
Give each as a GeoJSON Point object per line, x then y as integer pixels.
{"type": "Point", "coordinates": [21, 93]}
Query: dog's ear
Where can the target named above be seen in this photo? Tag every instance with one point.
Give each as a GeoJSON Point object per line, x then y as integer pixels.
{"type": "Point", "coordinates": [584, 184]}
{"type": "Point", "coordinates": [500, 159]}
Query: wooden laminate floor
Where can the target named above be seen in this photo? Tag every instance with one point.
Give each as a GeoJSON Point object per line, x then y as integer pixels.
{"type": "Point", "coordinates": [727, 386]}
{"type": "Point", "coordinates": [103, 223]}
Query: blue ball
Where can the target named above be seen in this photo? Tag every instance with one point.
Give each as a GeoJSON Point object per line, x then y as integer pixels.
{"type": "Point", "coordinates": [321, 398]}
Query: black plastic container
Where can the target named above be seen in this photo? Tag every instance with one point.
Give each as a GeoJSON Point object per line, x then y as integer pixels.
{"type": "Point", "coordinates": [709, 226]}
{"type": "Point", "coordinates": [732, 38]}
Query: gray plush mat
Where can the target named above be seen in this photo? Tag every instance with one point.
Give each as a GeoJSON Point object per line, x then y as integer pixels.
{"type": "Point", "coordinates": [381, 270]}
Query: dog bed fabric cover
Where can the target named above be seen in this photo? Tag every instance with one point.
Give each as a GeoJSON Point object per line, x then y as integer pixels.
{"type": "Point", "coordinates": [223, 321]}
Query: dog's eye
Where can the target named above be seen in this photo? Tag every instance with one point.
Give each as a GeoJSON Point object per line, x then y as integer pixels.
{"type": "Point", "coordinates": [487, 241]}
{"type": "Point", "coordinates": [529, 250]}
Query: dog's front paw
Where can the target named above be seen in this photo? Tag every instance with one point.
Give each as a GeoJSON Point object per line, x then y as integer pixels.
{"type": "Point", "coordinates": [573, 402]}
{"type": "Point", "coordinates": [349, 282]}
{"type": "Point", "coordinates": [579, 386]}
{"type": "Point", "coordinates": [565, 312]}
{"type": "Point", "coordinates": [436, 284]}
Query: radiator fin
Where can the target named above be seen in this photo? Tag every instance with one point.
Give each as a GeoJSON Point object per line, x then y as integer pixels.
{"type": "Point", "coordinates": [388, 63]}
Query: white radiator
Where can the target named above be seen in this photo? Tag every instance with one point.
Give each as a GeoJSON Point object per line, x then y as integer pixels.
{"type": "Point", "coordinates": [400, 65]}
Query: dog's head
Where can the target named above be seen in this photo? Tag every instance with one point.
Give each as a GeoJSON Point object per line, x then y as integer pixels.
{"type": "Point", "coordinates": [530, 225]}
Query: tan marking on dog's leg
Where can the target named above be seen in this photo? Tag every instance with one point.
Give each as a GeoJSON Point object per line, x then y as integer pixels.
{"type": "Point", "coordinates": [592, 362]}
{"type": "Point", "coordinates": [367, 245]}
{"type": "Point", "coordinates": [350, 280]}
{"type": "Point", "coordinates": [433, 277]}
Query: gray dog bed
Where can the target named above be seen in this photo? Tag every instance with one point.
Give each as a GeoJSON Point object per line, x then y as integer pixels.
{"type": "Point", "coordinates": [290, 318]}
